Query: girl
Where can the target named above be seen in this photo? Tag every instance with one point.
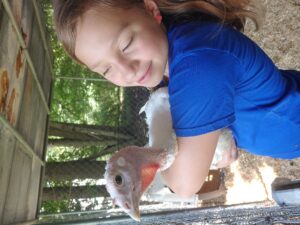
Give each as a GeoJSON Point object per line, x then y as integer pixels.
{"type": "Point", "coordinates": [217, 76]}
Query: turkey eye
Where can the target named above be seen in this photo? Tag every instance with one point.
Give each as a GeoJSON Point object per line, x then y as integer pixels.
{"type": "Point", "coordinates": [118, 180]}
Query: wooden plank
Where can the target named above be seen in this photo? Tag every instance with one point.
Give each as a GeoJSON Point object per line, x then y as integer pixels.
{"type": "Point", "coordinates": [7, 144]}
{"type": "Point", "coordinates": [22, 105]}
{"type": "Point", "coordinates": [1, 14]}
{"type": "Point", "coordinates": [32, 110]}
{"type": "Point", "coordinates": [33, 191]}
{"type": "Point", "coordinates": [30, 222]}
{"type": "Point", "coordinates": [212, 182]}
{"type": "Point", "coordinates": [12, 70]}
{"type": "Point", "coordinates": [37, 52]}
{"type": "Point", "coordinates": [47, 84]}
{"type": "Point", "coordinates": [16, 198]}
{"type": "Point", "coordinates": [28, 185]}
{"type": "Point", "coordinates": [40, 140]}
{"type": "Point", "coordinates": [44, 157]}
{"type": "Point", "coordinates": [40, 17]}
{"type": "Point", "coordinates": [20, 38]}
{"type": "Point", "coordinates": [33, 117]}
{"type": "Point", "coordinates": [32, 125]}
{"type": "Point", "coordinates": [47, 80]}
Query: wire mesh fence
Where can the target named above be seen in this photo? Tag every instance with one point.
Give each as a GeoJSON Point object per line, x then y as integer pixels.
{"type": "Point", "coordinates": [77, 155]}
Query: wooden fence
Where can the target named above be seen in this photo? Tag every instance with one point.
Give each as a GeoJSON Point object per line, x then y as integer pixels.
{"type": "Point", "coordinates": [25, 87]}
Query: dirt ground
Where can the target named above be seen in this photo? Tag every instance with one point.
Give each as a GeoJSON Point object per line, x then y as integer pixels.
{"type": "Point", "coordinates": [249, 178]}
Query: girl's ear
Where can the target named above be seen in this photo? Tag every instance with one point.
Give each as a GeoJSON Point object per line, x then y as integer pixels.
{"type": "Point", "coordinates": [153, 9]}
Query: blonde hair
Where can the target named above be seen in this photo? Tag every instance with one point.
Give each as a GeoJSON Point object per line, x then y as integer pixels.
{"type": "Point", "coordinates": [232, 12]}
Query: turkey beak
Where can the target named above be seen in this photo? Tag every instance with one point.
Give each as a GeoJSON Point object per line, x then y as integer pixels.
{"type": "Point", "coordinates": [134, 210]}
{"type": "Point", "coordinates": [134, 213]}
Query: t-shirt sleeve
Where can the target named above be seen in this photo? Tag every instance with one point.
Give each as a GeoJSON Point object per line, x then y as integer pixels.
{"type": "Point", "coordinates": [202, 90]}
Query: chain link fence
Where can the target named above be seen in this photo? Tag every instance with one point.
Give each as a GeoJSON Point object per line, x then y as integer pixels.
{"type": "Point", "coordinates": [73, 180]}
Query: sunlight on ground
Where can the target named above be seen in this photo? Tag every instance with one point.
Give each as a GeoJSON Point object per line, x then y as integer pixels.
{"type": "Point", "coordinates": [268, 176]}
{"type": "Point", "coordinates": [257, 189]}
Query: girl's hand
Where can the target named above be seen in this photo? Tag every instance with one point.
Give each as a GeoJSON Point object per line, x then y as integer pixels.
{"type": "Point", "coordinates": [228, 156]}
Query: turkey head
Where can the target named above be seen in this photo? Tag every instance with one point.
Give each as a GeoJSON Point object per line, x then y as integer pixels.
{"type": "Point", "coordinates": [129, 172]}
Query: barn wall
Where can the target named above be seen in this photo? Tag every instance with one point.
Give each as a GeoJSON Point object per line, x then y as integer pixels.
{"type": "Point", "coordinates": [25, 84]}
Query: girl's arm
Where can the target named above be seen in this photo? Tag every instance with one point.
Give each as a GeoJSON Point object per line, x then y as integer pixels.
{"type": "Point", "coordinates": [190, 168]}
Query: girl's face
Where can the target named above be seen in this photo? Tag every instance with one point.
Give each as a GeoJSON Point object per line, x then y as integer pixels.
{"type": "Point", "coordinates": [128, 47]}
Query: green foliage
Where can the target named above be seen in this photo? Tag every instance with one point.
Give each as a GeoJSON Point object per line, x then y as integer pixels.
{"type": "Point", "coordinates": [70, 205]}
{"type": "Point", "coordinates": [62, 154]}
{"type": "Point", "coordinates": [73, 205]}
{"type": "Point", "coordinates": [79, 101]}
{"type": "Point", "coordinates": [76, 101]}
{"type": "Point", "coordinates": [56, 206]}
{"type": "Point", "coordinates": [85, 102]}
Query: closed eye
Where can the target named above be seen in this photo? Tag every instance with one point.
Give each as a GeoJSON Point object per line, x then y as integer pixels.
{"type": "Point", "coordinates": [106, 71]}
{"type": "Point", "coordinates": [128, 45]}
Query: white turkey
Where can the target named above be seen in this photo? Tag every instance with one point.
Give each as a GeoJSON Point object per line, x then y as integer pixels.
{"type": "Point", "coordinates": [131, 170]}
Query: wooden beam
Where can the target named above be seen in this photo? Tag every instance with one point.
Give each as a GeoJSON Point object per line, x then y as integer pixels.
{"type": "Point", "coordinates": [27, 222]}
{"type": "Point", "coordinates": [44, 40]}
{"type": "Point", "coordinates": [26, 147]}
{"type": "Point", "coordinates": [82, 79]}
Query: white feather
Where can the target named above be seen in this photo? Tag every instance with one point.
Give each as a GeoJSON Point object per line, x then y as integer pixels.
{"type": "Point", "coordinates": [159, 121]}
{"type": "Point", "coordinates": [161, 133]}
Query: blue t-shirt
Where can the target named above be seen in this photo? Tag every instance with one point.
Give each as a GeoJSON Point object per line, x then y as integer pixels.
{"type": "Point", "coordinates": [220, 78]}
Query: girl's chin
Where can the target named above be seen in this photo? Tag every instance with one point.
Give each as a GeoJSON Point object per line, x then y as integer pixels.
{"type": "Point", "coordinates": [154, 83]}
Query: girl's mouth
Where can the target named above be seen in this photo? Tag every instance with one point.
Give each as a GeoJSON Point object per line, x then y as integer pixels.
{"type": "Point", "coordinates": [146, 75]}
